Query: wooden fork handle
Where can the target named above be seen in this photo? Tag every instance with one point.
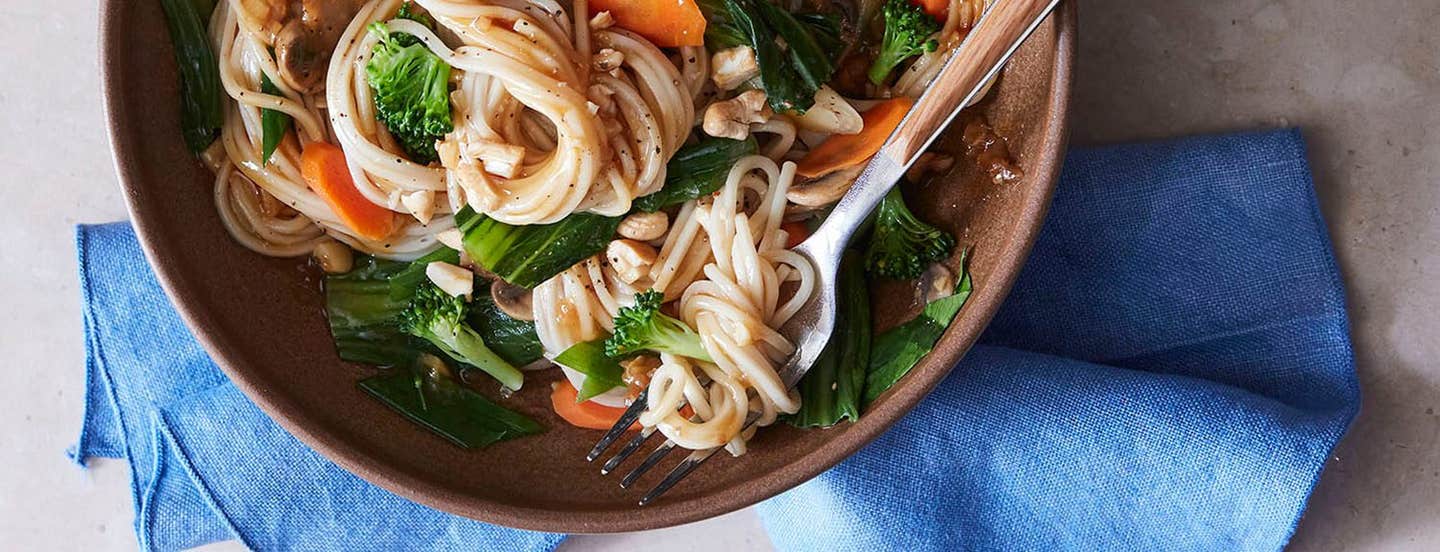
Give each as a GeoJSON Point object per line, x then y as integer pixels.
{"type": "Point", "coordinates": [1000, 31]}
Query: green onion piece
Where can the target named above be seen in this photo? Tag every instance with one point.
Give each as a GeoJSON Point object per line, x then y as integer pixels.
{"type": "Point", "coordinates": [273, 124]}
{"type": "Point", "coordinates": [602, 373]}
{"type": "Point", "coordinates": [452, 411]}
{"type": "Point", "coordinates": [201, 110]}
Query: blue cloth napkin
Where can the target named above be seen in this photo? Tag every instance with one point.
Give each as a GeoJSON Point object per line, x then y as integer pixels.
{"type": "Point", "coordinates": [1170, 373]}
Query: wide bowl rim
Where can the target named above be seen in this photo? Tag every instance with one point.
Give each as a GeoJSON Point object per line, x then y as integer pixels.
{"type": "Point", "coordinates": [905, 396]}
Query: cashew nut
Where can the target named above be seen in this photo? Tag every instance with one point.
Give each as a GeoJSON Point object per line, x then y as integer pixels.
{"type": "Point", "coordinates": [733, 66]}
{"type": "Point", "coordinates": [454, 280]}
{"type": "Point", "coordinates": [607, 59]}
{"type": "Point", "coordinates": [602, 20]}
{"type": "Point", "coordinates": [644, 226]}
{"type": "Point", "coordinates": [630, 259]}
{"type": "Point", "coordinates": [421, 204]}
{"type": "Point", "coordinates": [831, 114]}
{"type": "Point", "coordinates": [732, 118]}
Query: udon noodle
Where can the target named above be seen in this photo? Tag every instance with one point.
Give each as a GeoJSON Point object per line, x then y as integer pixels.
{"type": "Point", "coordinates": [557, 111]}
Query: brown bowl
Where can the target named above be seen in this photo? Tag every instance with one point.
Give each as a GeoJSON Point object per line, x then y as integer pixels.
{"type": "Point", "coordinates": [261, 318]}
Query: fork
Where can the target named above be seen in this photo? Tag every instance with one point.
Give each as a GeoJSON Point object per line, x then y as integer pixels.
{"type": "Point", "coordinates": [999, 33]}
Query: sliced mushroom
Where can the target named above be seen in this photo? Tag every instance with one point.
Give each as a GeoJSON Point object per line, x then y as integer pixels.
{"type": "Point", "coordinates": [304, 44]}
{"type": "Point", "coordinates": [732, 118]}
{"type": "Point", "coordinates": [515, 301]}
{"type": "Point", "coordinates": [823, 190]}
{"type": "Point", "coordinates": [334, 257]}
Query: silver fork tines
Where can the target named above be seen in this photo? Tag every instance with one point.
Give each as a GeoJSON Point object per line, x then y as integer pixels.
{"type": "Point", "coordinates": [626, 451]}
{"type": "Point", "coordinates": [626, 419]}
{"type": "Point", "coordinates": [649, 462]}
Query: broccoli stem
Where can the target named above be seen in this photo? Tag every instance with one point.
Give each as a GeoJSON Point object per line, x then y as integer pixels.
{"type": "Point", "coordinates": [463, 345]}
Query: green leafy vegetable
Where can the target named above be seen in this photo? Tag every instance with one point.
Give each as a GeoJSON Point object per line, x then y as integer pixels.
{"type": "Point", "coordinates": [412, 92]}
{"type": "Point", "coordinates": [644, 328]}
{"type": "Point", "coordinates": [457, 413]}
{"type": "Point", "coordinates": [832, 389]}
{"type": "Point", "coordinates": [907, 34]}
{"type": "Point", "coordinates": [364, 305]}
{"type": "Point", "coordinates": [602, 372]}
{"type": "Point", "coordinates": [439, 319]}
{"type": "Point", "coordinates": [201, 110]}
{"type": "Point", "coordinates": [901, 246]}
{"type": "Point", "coordinates": [697, 170]}
{"type": "Point", "coordinates": [273, 123]}
{"type": "Point", "coordinates": [514, 340]}
{"type": "Point", "coordinates": [408, 11]}
{"type": "Point", "coordinates": [807, 59]}
{"type": "Point", "coordinates": [896, 351]}
{"type": "Point", "coordinates": [790, 73]}
{"type": "Point", "coordinates": [826, 28]}
{"type": "Point", "coordinates": [528, 255]}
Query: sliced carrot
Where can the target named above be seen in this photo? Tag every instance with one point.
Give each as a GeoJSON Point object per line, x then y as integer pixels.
{"type": "Point", "coordinates": [324, 168]}
{"type": "Point", "coordinates": [845, 150]}
{"type": "Point", "coordinates": [939, 9]}
{"type": "Point", "coordinates": [588, 414]}
{"type": "Point", "coordinates": [666, 23]}
{"type": "Point", "coordinates": [795, 233]}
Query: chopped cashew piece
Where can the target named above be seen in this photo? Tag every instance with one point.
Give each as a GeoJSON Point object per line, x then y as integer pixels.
{"type": "Point", "coordinates": [452, 238]}
{"type": "Point", "coordinates": [334, 257]}
{"type": "Point", "coordinates": [823, 190]}
{"type": "Point", "coordinates": [644, 226]}
{"type": "Point", "coordinates": [454, 280]}
{"type": "Point", "coordinates": [936, 283]}
{"type": "Point", "coordinates": [630, 259]}
{"type": "Point", "coordinates": [732, 118]}
{"type": "Point", "coordinates": [733, 66]}
{"type": "Point", "coordinates": [607, 60]}
{"type": "Point", "coordinates": [831, 114]}
{"type": "Point", "coordinates": [502, 160]}
{"type": "Point", "coordinates": [602, 20]}
{"type": "Point", "coordinates": [421, 204]}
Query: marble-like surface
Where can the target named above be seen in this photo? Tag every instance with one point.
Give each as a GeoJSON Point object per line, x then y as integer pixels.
{"type": "Point", "coordinates": [1363, 79]}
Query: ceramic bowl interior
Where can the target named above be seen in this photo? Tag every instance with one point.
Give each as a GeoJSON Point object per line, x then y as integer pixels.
{"type": "Point", "coordinates": [262, 321]}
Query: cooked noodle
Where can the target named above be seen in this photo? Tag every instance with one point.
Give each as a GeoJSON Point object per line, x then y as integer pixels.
{"type": "Point", "coordinates": [556, 111]}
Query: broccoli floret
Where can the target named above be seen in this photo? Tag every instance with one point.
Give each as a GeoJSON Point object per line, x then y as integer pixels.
{"type": "Point", "coordinates": [901, 246]}
{"type": "Point", "coordinates": [907, 34]}
{"type": "Point", "coordinates": [644, 328]}
{"type": "Point", "coordinates": [412, 92]}
{"type": "Point", "coordinates": [439, 319]}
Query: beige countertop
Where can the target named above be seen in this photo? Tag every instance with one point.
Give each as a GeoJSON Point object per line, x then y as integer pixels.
{"type": "Point", "coordinates": [1362, 79]}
